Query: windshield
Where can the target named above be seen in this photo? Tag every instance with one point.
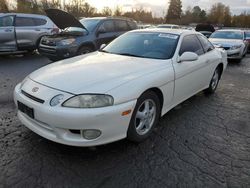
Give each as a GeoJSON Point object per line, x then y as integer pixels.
{"type": "Point", "coordinates": [145, 45]}
{"type": "Point", "coordinates": [89, 24]}
{"type": "Point", "coordinates": [227, 35]}
{"type": "Point", "coordinates": [247, 34]}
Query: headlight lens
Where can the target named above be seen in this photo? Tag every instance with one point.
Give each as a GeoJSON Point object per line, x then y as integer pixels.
{"type": "Point", "coordinates": [67, 41]}
{"type": "Point", "coordinates": [89, 101]}
{"type": "Point", "coordinates": [56, 100]}
{"type": "Point", "coordinates": [235, 47]}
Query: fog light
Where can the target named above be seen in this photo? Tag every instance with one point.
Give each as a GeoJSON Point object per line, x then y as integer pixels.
{"type": "Point", "coordinates": [91, 134]}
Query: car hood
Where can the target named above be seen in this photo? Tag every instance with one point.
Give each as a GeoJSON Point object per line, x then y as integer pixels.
{"type": "Point", "coordinates": [96, 72]}
{"type": "Point", "coordinates": [226, 42]}
{"type": "Point", "coordinates": [63, 19]}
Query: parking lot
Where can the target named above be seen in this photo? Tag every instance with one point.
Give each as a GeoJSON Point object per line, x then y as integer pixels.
{"type": "Point", "coordinates": [204, 142]}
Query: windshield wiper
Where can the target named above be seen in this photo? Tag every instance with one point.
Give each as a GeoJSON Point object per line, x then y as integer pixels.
{"type": "Point", "coordinates": [128, 54]}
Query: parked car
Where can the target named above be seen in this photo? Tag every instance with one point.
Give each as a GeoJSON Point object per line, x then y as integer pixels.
{"type": "Point", "coordinates": [233, 41]}
{"type": "Point", "coordinates": [205, 27]}
{"type": "Point", "coordinates": [22, 32]}
{"type": "Point", "coordinates": [120, 91]}
{"type": "Point", "coordinates": [168, 26]}
{"type": "Point", "coordinates": [80, 37]}
{"type": "Point", "coordinates": [247, 38]}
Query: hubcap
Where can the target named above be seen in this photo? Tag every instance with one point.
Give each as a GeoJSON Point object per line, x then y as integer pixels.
{"type": "Point", "coordinates": [145, 117]}
{"type": "Point", "coordinates": [215, 80]}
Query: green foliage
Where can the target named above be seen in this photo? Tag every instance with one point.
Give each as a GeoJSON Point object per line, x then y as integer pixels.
{"type": "Point", "coordinates": [174, 11]}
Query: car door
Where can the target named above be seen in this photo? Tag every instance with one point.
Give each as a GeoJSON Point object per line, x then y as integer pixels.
{"type": "Point", "coordinates": [7, 34]}
{"type": "Point", "coordinates": [26, 32]}
{"type": "Point", "coordinates": [211, 57]}
{"type": "Point", "coordinates": [105, 33]}
{"type": "Point", "coordinates": [190, 76]}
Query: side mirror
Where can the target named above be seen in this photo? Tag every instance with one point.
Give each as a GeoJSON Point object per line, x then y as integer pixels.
{"type": "Point", "coordinates": [103, 46]}
{"type": "Point", "coordinates": [188, 56]}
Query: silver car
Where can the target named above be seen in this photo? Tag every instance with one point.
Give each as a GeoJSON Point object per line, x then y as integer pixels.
{"type": "Point", "coordinates": [22, 32]}
{"type": "Point", "coordinates": [233, 41]}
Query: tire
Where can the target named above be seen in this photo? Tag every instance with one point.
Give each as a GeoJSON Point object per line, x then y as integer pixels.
{"type": "Point", "coordinates": [144, 119]}
{"type": "Point", "coordinates": [214, 82]}
{"type": "Point", "coordinates": [84, 50]}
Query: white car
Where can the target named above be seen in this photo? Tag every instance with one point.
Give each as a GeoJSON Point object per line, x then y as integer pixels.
{"type": "Point", "coordinates": [169, 26]}
{"type": "Point", "coordinates": [233, 41]}
{"type": "Point", "coordinates": [120, 91]}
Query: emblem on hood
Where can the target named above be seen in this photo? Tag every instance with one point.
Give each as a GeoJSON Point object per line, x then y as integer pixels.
{"type": "Point", "coordinates": [35, 89]}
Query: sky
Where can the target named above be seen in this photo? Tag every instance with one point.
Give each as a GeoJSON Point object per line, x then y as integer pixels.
{"type": "Point", "coordinates": [159, 7]}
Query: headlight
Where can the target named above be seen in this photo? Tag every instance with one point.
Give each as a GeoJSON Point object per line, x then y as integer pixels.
{"type": "Point", "coordinates": [56, 100]}
{"type": "Point", "coordinates": [23, 82]}
{"type": "Point", "coordinates": [89, 101]}
{"type": "Point", "coordinates": [235, 47]}
{"type": "Point", "coordinates": [67, 41]}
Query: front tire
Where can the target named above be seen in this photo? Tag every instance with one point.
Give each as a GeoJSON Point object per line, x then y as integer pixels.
{"type": "Point", "coordinates": [84, 50]}
{"type": "Point", "coordinates": [214, 82]}
{"type": "Point", "coordinates": [145, 117]}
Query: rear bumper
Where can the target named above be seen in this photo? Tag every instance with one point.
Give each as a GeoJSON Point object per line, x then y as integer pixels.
{"type": "Point", "coordinates": [58, 53]}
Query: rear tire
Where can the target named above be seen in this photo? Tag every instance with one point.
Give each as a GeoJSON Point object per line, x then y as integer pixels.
{"type": "Point", "coordinates": [145, 117]}
{"type": "Point", "coordinates": [214, 82]}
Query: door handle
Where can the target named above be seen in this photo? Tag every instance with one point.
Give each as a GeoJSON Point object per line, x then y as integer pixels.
{"type": "Point", "coordinates": [37, 29]}
{"type": "Point", "coordinates": [8, 30]}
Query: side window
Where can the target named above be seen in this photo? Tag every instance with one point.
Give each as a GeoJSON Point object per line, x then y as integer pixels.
{"type": "Point", "coordinates": [107, 26]}
{"type": "Point", "coordinates": [24, 22]}
{"type": "Point", "coordinates": [121, 25]}
{"type": "Point", "coordinates": [191, 43]}
{"type": "Point", "coordinates": [206, 44]}
{"type": "Point", "coordinates": [132, 25]}
{"type": "Point", "coordinates": [39, 21]}
{"type": "Point", "coordinates": [6, 21]}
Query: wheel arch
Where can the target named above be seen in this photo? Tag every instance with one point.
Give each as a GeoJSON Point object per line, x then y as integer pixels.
{"type": "Point", "coordinates": [158, 92]}
{"type": "Point", "coordinates": [88, 44]}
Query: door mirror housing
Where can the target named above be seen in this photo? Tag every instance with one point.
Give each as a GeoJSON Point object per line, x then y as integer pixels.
{"type": "Point", "coordinates": [188, 56]}
{"type": "Point", "coordinates": [103, 46]}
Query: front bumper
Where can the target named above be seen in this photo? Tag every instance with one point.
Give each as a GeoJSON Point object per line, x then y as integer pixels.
{"type": "Point", "coordinates": [234, 54]}
{"type": "Point", "coordinates": [58, 53]}
{"type": "Point", "coordinates": [57, 123]}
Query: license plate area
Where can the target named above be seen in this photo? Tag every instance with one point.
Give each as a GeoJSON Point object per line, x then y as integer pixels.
{"type": "Point", "coordinates": [25, 109]}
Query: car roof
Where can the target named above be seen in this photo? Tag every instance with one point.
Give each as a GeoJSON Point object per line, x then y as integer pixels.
{"type": "Point", "coordinates": [169, 31]}
{"type": "Point", "coordinates": [22, 14]}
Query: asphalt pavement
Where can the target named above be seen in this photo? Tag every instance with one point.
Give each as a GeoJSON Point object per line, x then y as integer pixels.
{"type": "Point", "coordinates": [204, 142]}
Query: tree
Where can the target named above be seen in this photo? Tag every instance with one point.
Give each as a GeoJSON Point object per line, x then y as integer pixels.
{"type": "Point", "coordinates": [118, 11]}
{"type": "Point", "coordinates": [106, 11]}
{"type": "Point", "coordinates": [174, 11]}
{"type": "Point", "coordinates": [4, 6]}
{"type": "Point", "coordinates": [220, 14]}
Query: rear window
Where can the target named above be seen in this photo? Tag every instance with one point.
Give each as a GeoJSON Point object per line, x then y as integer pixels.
{"type": "Point", "coordinates": [39, 21]}
{"type": "Point", "coordinates": [132, 25]}
{"type": "Point", "coordinates": [24, 22]}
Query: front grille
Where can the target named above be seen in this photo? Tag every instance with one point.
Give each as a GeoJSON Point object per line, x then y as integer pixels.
{"type": "Point", "coordinates": [226, 48]}
{"type": "Point", "coordinates": [32, 97]}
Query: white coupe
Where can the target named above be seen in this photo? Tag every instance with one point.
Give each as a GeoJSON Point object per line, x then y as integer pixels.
{"type": "Point", "coordinates": [122, 90]}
